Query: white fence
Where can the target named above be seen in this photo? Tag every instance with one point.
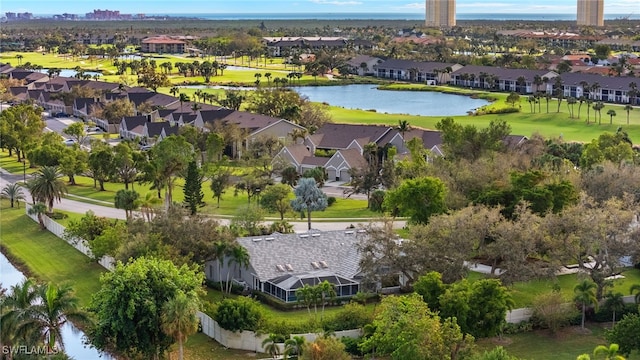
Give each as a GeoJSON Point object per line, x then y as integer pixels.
{"type": "Point", "coordinates": [79, 244]}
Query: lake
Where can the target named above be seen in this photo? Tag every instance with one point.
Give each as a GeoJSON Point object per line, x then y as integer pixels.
{"type": "Point", "coordinates": [368, 97]}
{"type": "Point", "coordinates": [73, 338]}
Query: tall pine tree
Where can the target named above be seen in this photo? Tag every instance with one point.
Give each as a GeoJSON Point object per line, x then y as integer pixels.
{"type": "Point", "coordinates": [193, 194]}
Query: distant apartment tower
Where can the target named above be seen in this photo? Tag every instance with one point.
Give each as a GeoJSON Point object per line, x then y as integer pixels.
{"type": "Point", "coordinates": [440, 13]}
{"type": "Point", "coordinates": [591, 12]}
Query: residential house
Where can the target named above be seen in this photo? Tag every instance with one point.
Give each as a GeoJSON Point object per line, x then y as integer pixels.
{"type": "Point", "coordinates": [431, 140]}
{"type": "Point", "coordinates": [163, 45]}
{"type": "Point", "coordinates": [154, 132]}
{"type": "Point", "coordinates": [349, 136]}
{"type": "Point", "coordinates": [280, 264]}
{"type": "Point", "coordinates": [28, 78]}
{"type": "Point", "coordinates": [132, 127]}
{"type": "Point", "coordinates": [511, 80]}
{"type": "Point", "coordinates": [425, 72]}
{"type": "Point", "coordinates": [613, 89]}
{"type": "Point", "coordinates": [210, 117]}
{"type": "Point", "coordinates": [256, 127]}
{"type": "Point", "coordinates": [281, 46]}
{"type": "Point", "coordinates": [364, 64]}
{"type": "Point", "coordinates": [338, 167]}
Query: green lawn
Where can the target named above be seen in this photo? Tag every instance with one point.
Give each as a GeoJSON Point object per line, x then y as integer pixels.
{"type": "Point", "coordinates": [541, 345]}
{"type": "Point", "coordinates": [11, 164]}
{"type": "Point", "coordinates": [46, 256]}
{"type": "Point", "coordinates": [525, 292]}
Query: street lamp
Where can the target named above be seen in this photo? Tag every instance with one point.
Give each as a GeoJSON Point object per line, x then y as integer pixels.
{"type": "Point", "coordinates": [24, 170]}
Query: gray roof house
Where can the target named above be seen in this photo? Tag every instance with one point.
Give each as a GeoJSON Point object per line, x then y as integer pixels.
{"type": "Point", "coordinates": [489, 77]}
{"type": "Point", "coordinates": [610, 88]}
{"type": "Point", "coordinates": [279, 264]}
{"type": "Point", "coordinates": [408, 70]}
{"type": "Point", "coordinates": [371, 63]}
{"type": "Point", "coordinates": [347, 136]}
{"type": "Point", "coordinates": [131, 127]}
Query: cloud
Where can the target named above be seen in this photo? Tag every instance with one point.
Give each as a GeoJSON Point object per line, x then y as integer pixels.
{"type": "Point", "coordinates": [335, 2]}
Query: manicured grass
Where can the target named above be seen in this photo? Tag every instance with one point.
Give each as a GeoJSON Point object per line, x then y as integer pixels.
{"type": "Point", "coordinates": [11, 164]}
{"type": "Point", "coordinates": [201, 347]}
{"type": "Point", "coordinates": [229, 204]}
{"type": "Point", "coordinates": [524, 293]}
{"type": "Point", "coordinates": [46, 256]}
{"type": "Point", "coordinates": [541, 345]}
{"type": "Point", "coordinates": [293, 317]}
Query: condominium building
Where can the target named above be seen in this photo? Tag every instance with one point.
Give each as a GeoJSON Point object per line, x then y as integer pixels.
{"type": "Point", "coordinates": [591, 12]}
{"type": "Point", "coordinates": [440, 13]}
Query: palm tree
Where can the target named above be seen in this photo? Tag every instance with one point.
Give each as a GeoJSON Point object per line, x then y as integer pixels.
{"type": "Point", "coordinates": [615, 303]}
{"type": "Point", "coordinates": [39, 209]}
{"type": "Point", "coordinates": [403, 127]}
{"type": "Point", "coordinates": [55, 307]}
{"type": "Point", "coordinates": [307, 296]}
{"type": "Point", "coordinates": [611, 114]}
{"type": "Point", "coordinates": [13, 192]}
{"type": "Point", "coordinates": [585, 294]}
{"type": "Point", "coordinates": [269, 345]}
{"type": "Point", "coordinates": [47, 186]}
{"type": "Point", "coordinates": [147, 204]}
{"type": "Point", "coordinates": [220, 249]}
{"type": "Point", "coordinates": [610, 353]}
{"type": "Point", "coordinates": [180, 319]}
{"type": "Point", "coordinates": [628, 109]}
{"type": "Point", "coordinates": [268, 76]}
{"type": "Point", "coordinates": [14, 309]}
{"type": "Point", "coordinates": [597, 107]}
{"type": "Point", "coordinates": [238, 256]}
{"type": "Point", "coordinates": [19, 57]}
{"type": "Point", "coordinates": [635, 288]}
{"type": "Point", "coordinates": [327, 290]}
{"type": "Point", "coordinates": [183, 99]}
{"type": "Point", "coordinates": [293, 347]}
{"type": "Point", "coordinates": [174, 91]}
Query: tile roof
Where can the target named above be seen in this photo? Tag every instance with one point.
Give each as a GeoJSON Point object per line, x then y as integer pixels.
{"type": "Point", "coordinates": [610, 82]}
{"type": "Point", "coordinates": [298, 152]}
{"type": "Point", "coordinates": [336, 248]}
{"type": "Point", "coordinates": [132, 122]}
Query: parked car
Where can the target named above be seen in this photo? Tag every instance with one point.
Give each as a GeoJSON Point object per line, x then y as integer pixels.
{"type": "Point", "coordinates": [60, 114]}
{"type": "Point", "coordinates": [93, 129]}
{"type": "Point", "coordinates": [146, 147]}
{"type": "Point", "coordinates": [69, 142]}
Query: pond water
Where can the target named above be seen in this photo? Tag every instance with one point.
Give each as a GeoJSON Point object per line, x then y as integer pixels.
{"type": "Point", "coordinates": [71, 73]}
{"type": "Point", "coordinates": [368, 97]}
{"type": "Point", "coordinates": [73, 338]}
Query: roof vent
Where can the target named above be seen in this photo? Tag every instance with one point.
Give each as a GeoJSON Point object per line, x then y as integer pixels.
{"type": "Point", "coordinates": [324, 264]}
{"type": "Point", "coordinates": [315, 235]}
{"type": "Point", "coordinates": [257, 239]}
{"type": "Point", "coordinates": [349, 232]}
{"type": "Point", "coordinates": [270, 238]}
{"type": "Point", "coordinates": [280, 268]}
{"type": "Point", "coordinates": [289, 267]}
{"type": "Point", "coordinates": [304, 235]}
{"type": "Point", "coordinates": [315, 265]}
{"type": "Point", "coordinates": [362, 231]}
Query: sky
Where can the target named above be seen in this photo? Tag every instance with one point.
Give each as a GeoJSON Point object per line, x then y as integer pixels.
{"type": "Point", "coordinates": [625, 7]}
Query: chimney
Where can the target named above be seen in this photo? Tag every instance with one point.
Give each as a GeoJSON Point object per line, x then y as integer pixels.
{"type": "Point", "coordinates": [149, 118]}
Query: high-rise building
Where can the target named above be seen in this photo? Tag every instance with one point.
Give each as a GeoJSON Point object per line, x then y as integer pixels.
{"type": "Point", "coordinates": [591, 12]}
{"type": "Point", "coordinates": [440, 13]}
